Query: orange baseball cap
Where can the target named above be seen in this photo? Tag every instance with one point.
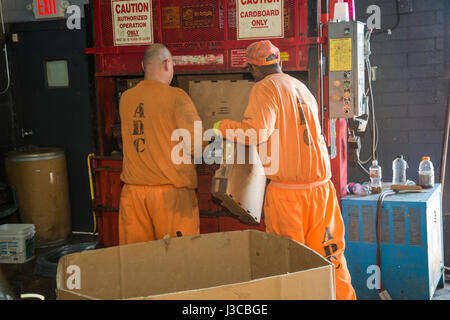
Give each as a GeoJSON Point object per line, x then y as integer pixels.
{"type": "Point", "coordinates": [262, 53]}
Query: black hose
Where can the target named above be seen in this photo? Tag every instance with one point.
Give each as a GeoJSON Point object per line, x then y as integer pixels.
{"type": "Point", "coordinates": [397, 9]}
{"type": "Point", "coordinates": [378, 227]}
{"type": "Point", "coordinates": [47, 264]}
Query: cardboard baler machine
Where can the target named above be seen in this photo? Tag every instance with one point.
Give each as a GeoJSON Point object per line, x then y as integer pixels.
{"type": "Point", "coordinates": [204, 40]}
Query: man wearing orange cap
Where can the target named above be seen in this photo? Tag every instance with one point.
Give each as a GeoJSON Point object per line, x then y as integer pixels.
{"type": "Point", "coordinates": [158, 197]}
{"type": "Point", "coordinates": [300, 200]}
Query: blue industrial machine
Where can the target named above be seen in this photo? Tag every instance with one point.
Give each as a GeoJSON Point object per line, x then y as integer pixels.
{"type": "Point", "coordinates": [411, 244]}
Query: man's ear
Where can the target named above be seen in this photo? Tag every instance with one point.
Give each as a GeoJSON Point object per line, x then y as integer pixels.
{"type": "Point", "coordinates": [166, 65]}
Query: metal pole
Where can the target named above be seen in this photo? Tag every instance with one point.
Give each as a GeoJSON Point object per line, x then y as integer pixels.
{"type": "Point", "coordinates": [445, 149]}
{"type": "Point", "coordinates": [322, 107]}
{"type": "Point", "coordinates": [5, 49]}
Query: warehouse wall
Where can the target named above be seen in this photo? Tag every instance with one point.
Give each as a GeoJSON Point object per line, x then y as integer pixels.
{"type": "Point", "coordinates": [6, 137]}
{"type": "Point", "coordinates": [411, 90]}
{"type": "Point", "coordinates": [45, 111]}
{"type": "Point", "coordinates": [411, 87]}
{"type": "Point", "coordinates": [14, 11]}
{"type": "Point", "coordinates": [58, 117]}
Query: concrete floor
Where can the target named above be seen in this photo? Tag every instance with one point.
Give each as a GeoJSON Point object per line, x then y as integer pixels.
{"type": "Point", "coordinates": [444, 293]}
{"type": "Point", "coordinates": [23, 280]}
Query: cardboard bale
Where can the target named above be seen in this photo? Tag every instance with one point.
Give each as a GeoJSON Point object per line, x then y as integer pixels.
{"type": "Point", "coordinates": [239, 265]}
{"type": "Point", "coordinates": [184, 80]}
{"type": "Point", "coordinates": [219, 100]}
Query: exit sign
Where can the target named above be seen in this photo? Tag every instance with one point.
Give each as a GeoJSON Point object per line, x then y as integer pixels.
{"type": "Point", "coordinates": [48, 9]}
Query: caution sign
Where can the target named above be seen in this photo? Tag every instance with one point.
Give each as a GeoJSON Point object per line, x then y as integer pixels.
{"type": "Point", "coordinates": [260, 19]}
{"type": "Point", "coordinates": [132, 22]}
{"type": "Point", "coordinates": [341, 54]}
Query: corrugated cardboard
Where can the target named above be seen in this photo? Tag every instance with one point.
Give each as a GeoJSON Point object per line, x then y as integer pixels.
{"type": "Point", "coordinates": [241, 187]}
{"type": "Point", "coordinates": [183, 80]}
{"type": "Point", "coordinates": [219, 100]}
{"type": "Point", "coordinates": [239, 265]}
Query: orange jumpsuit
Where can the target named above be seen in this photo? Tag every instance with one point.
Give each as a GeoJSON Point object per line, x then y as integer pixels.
{"type": "Point", "coordinates": [301, 201]}
{"type": "Point", "coordinates": [159, 196]}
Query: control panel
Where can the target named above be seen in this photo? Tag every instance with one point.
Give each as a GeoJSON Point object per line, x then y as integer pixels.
{"type": "Point", "coordinates": [346, 69]}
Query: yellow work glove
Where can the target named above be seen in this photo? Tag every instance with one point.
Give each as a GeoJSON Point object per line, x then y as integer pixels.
{"type": "Point", "coordinates": [216, 128]}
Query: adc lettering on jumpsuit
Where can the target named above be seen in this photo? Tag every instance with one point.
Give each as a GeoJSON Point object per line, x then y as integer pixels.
{"type": "Point", "coordinates": [300, 106]}
{"type": "Point", "coordinates": [331, 248]}
{"type": "Point", "coordinates": [138, 129]}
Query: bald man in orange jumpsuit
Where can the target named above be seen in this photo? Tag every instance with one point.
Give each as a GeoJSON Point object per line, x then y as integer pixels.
{"type": "Point", "coordinates": [158, 197]}
{"type": "Point", "coordinates": [300, 200]}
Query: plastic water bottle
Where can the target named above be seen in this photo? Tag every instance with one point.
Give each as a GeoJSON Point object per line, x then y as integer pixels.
{"type": "Point", "coordinates": [399, 166]}
{"type": "Point", "coordinates": [426, 173]}
{"type": "Point", "coordinates": [375, 177]}
{"type": "Point", "coordinates": [358, 189]}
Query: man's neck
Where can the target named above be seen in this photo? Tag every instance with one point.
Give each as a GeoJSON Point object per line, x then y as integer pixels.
{"type": "Point", "coordinates": [271, 73]}
{"type": "Point", "coordinates": [152, 77]}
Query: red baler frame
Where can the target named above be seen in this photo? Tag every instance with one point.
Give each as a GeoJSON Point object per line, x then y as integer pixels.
{"type": "Point", "coordinates": [300, 43]}
{"type": "Point", "coordinates": [126, 60]}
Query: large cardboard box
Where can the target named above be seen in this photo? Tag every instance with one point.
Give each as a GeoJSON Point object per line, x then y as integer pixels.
{"type": "Point", "coordinates": [239, 265]}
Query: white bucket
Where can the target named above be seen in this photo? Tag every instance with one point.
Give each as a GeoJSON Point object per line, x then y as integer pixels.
{"type": "Point", "coordinates": [16, 243]}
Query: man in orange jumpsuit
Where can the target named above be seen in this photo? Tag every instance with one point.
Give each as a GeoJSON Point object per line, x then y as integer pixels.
{"type": "Point", "coordinates": [300, 200]}
{"type": "Point", "coordinates": [158, 197]}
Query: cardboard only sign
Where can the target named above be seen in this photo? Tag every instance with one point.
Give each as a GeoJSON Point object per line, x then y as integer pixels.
{"type": "Point", "coordinates": [132, 22]}
{"type": "Point", "coordinates": [260, 19]}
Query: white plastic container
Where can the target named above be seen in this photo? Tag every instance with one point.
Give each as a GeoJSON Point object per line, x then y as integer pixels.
{"type": "Point", "coordinates": [375, 178]}
{"type": "Point", "coordinates": [426, 173]}
{"type": "Point", "coordinates": [16, 243]}
{"type": "Point", "coordinates": [341, 12]}
{"type": "Point", "coordinates": [399, 167]}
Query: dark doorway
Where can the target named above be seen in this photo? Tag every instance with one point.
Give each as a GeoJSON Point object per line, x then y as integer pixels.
{"type": "Point", "coordinates": [53, 108]}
